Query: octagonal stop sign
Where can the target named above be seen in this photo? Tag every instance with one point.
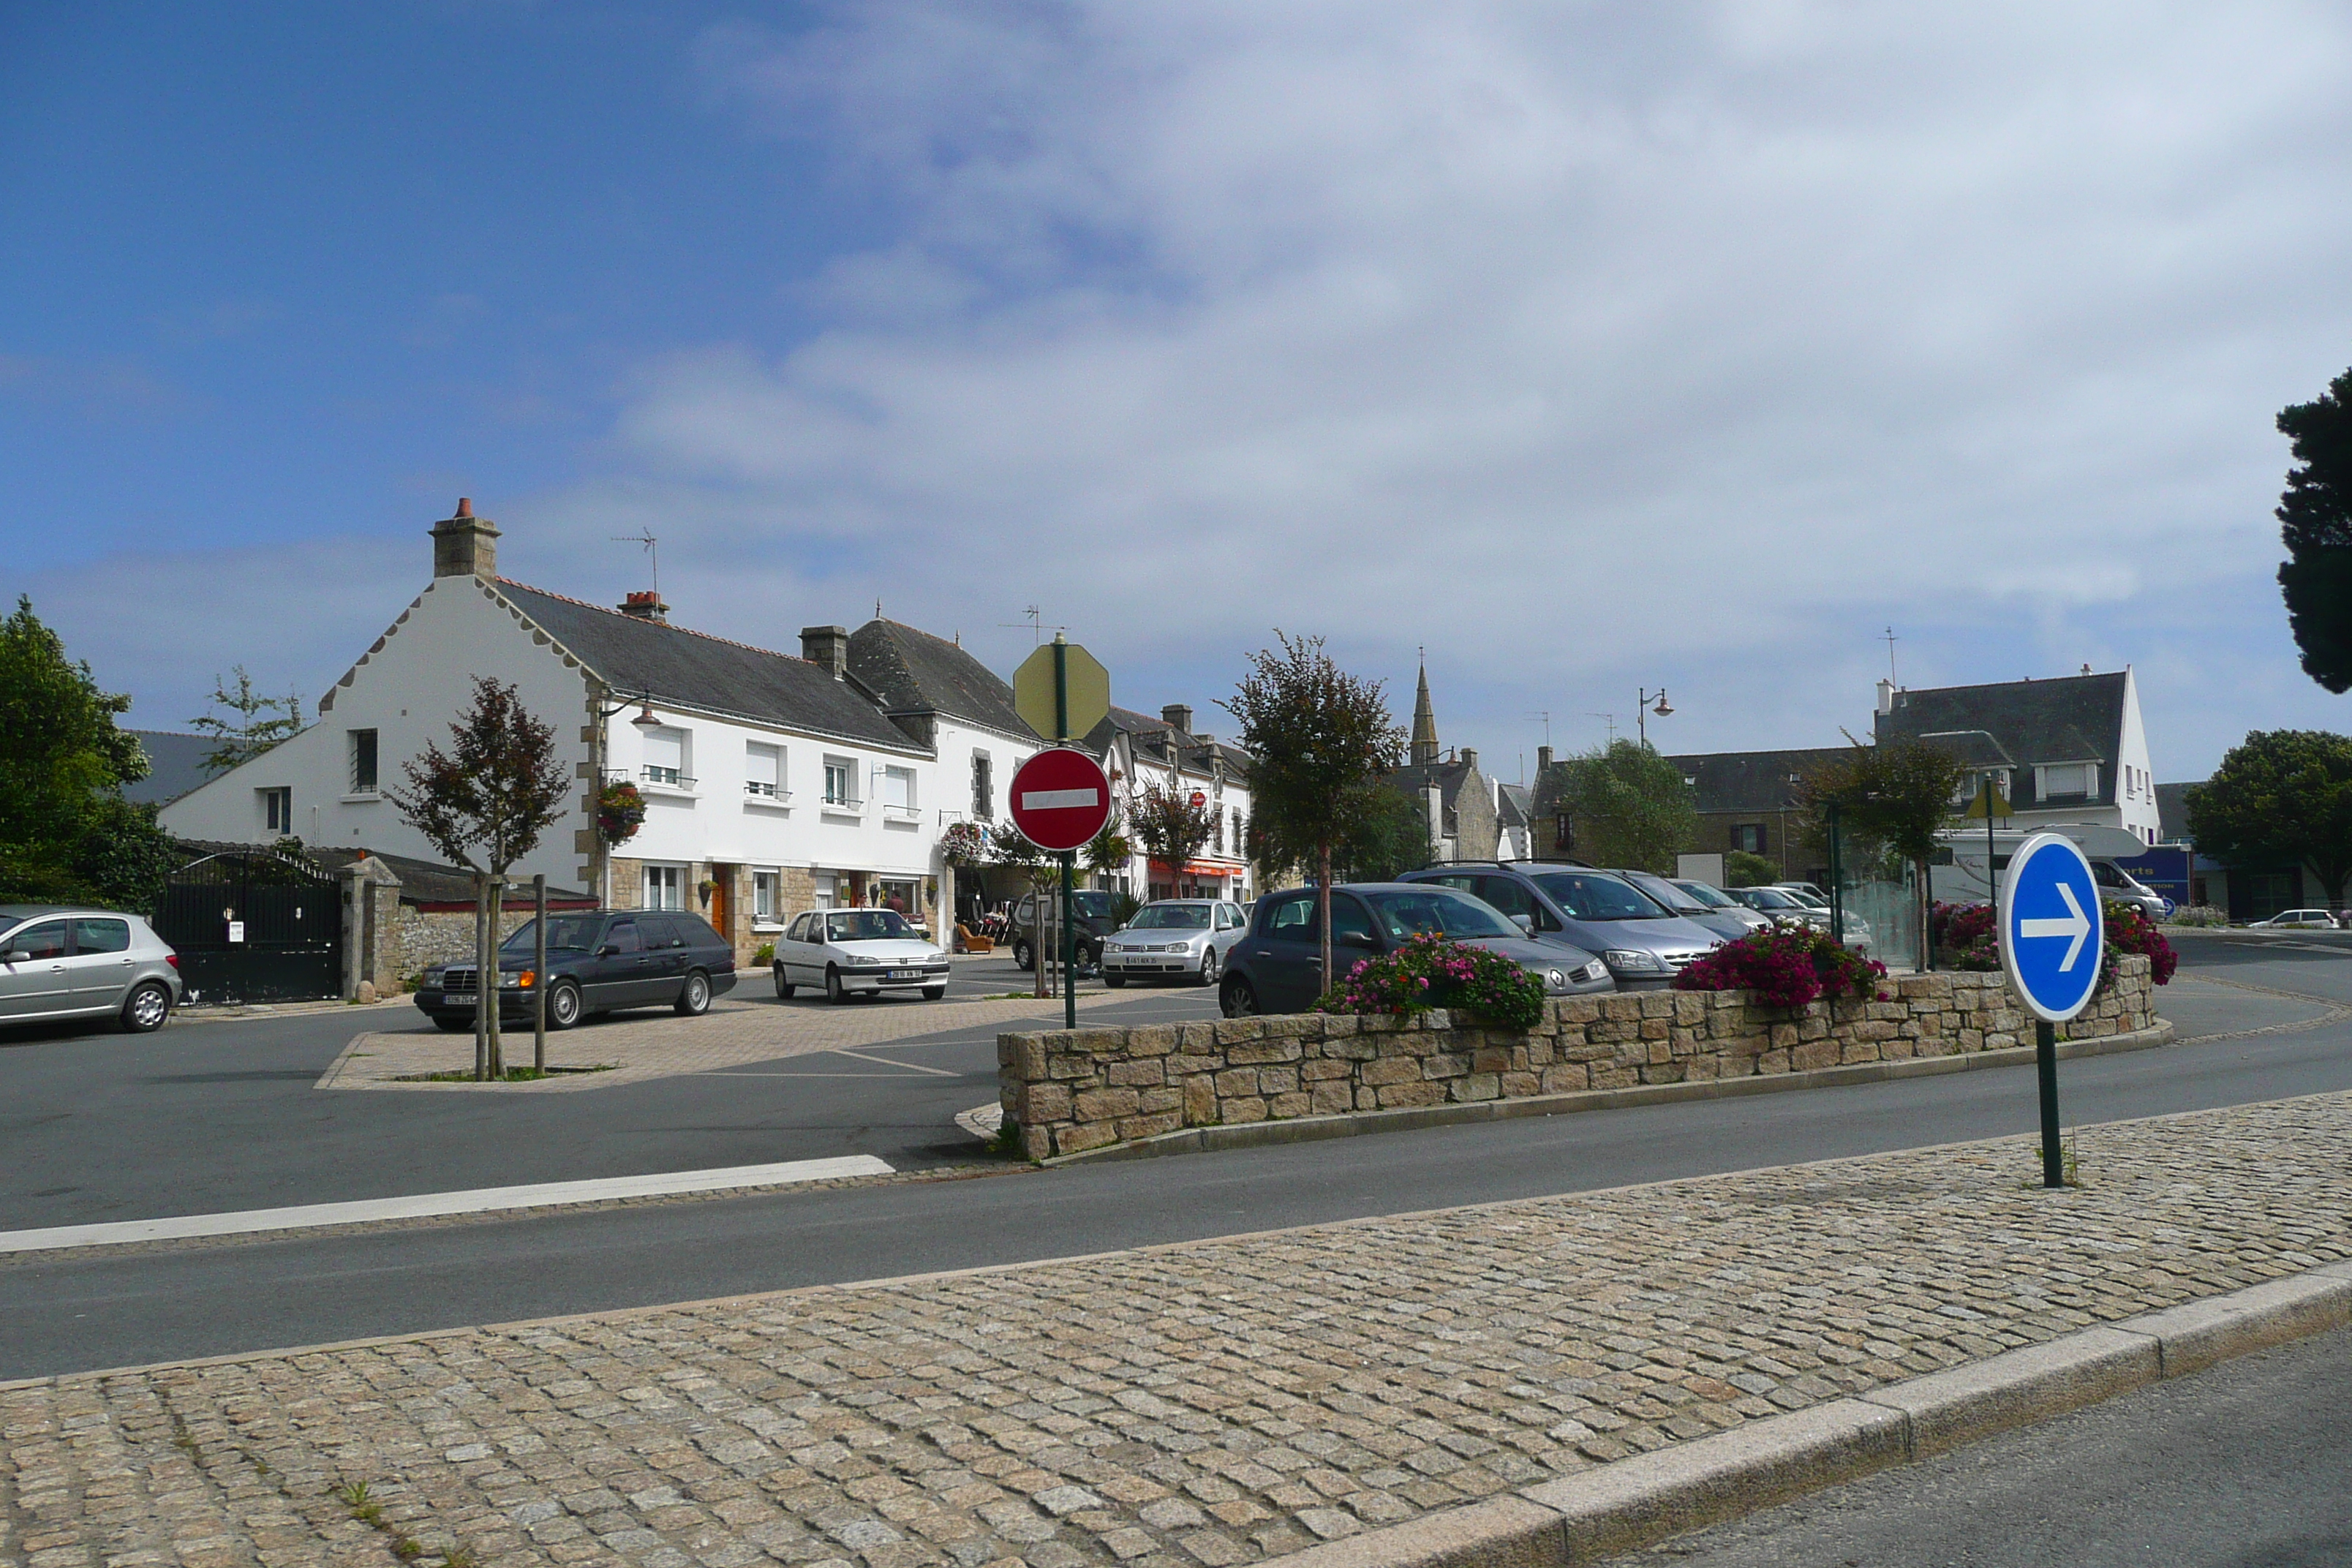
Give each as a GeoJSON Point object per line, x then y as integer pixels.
{"type": "Point", "coordinates": [1060, 799]}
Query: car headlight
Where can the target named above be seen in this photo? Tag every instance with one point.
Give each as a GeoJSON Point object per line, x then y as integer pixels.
{"type": "Point", "coordinates": [1632, 961]}
{"type": "Point", "coordinates": [866, 960]}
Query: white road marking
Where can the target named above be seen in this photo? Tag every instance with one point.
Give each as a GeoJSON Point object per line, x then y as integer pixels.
{"type": "Point", "coordinates": [477, 1200]}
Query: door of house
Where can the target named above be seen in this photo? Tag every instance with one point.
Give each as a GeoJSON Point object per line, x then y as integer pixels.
{"type": "Point", "coordinates": [722, 901]}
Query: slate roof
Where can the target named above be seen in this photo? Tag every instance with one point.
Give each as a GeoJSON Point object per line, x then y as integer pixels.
{"type": "Point", "coordinates": [2074, 719]}
{"type": "Point", "coordinates": [1973, 748]}
{"type": "Point", "coordinates": [1152, 736]}
{"type": "Point", "coordinates": [911, 672]}
{"type": "Point", "coordinates": [1514, 805]}
{"type": "Point", "coordinates": [431, 882]}
{"type": "Point", "coordinates": [694, 670]}
{"type": "Point", "coordinates": [1449, 778]}
{"type": "Point", "coordinates": [1752, 782]}
{"type": "Point", "coordinates": [178, 765]}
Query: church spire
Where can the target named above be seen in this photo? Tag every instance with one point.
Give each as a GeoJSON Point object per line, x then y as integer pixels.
{"type": "Point", "coordinates": [1425, 722]}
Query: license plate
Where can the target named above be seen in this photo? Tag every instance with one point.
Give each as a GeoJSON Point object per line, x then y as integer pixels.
{"type": "Point", "coordinates": [459, 998]}
{"type": "Point", "coordinates": [905, 975]}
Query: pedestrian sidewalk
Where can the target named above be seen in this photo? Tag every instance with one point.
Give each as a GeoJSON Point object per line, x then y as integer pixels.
{"type": "Point", "coordinates": [1205, 1403]}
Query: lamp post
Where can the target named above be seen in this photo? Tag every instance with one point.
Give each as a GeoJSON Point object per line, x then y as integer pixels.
{"type": "Point", "coordinates": [1642, 710]}
{"type": "Point", "coordinates": [644, 721]}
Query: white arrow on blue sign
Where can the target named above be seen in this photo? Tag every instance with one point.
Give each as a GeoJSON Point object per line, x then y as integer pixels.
{"type": "Point", "coordinates": [2053, 930]}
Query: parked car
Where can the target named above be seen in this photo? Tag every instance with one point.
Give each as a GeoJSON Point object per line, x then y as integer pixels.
{"type": "Point", "coordinates": [1791, 904]}
{"type": "Point", "coordinates": [1277, 966]}
{"type": "Point", "coordinates": [2301, 920]}
{"type": "Point", "coordinates": [858, 952]}
{"type": "Point", "coordinates": [598, 961]}
{"type": "Point", "coordinates": [1715, 899]}
{"type": "Point", "coordinates": [63, 961]}
{"type": "Point", "coordinates": [1858, 934]}
{"type": "Point", "coordinates": [1097, 918]}
{"type": "Point", "coordinates": [1589, 911]}
{"type": "Point", "coordinates": [1172, 939]}
{"type": "Point", "coordinates": [1730, 925]}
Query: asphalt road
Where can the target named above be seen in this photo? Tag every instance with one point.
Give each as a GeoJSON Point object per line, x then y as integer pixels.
{"type": "Point", "coordinates": [2242, 1466]}
{"type": "Point", "coordinates": [101, 1309]}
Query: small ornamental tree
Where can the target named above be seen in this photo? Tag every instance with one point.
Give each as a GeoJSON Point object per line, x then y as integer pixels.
{"type": "Point", "coordinates": [1629, 804]}
{"type": "Point", "coordinates": [2281, 796]}
{"type": "Point", "coordinates": [484, 804]}
{"type": "Point", "coordinates": [2316, 525]}
{"type": "Point", "coordinates": [255, 723]}
{"type": "Point", "coordinates": [1746, 868]}
{"type": "Point", "coordinates": [1010, 848]}
{"type": "Point", "coordinates": [1892, 799]}
{"type": "Point", "coordinates": [1170, 828]}
{"type": "Point", "coordinates": [1321, 739]}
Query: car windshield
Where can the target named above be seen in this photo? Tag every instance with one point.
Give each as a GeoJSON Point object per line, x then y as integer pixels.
{"type": "Point", "coordinates": [573, 932]}
{"type": "Point", "coordinates": [1092, 905]}
{"type": "Point", "coordinates": [1769, 899]}
{"type": "Point", "coordinates": [1811, 901]}
{"type": "Point", "coordinates": [1598, 896]}
{"type": "Point", "coordinates": [865, 925]}
{"type": "Point", "coordinates": [1665, 892]}
{"type": "Point", "coordinates": [1437, 910]}
{"type": "Point", "coordinates": [1171, 917]}
{"type": "Point", "coordinates": [1712, 898]}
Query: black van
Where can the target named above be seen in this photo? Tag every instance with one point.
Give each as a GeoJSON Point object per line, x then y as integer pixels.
{"type": "Point", "coordinates": [598, 961]}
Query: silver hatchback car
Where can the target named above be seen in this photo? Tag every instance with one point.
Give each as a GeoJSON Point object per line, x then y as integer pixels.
{"type": "Point", "coordinates": [62, 962]}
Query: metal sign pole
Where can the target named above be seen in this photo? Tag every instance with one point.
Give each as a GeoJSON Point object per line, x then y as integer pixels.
{"type": "Point", "coordinates": [2045, 1064]}
{"type": "Point", "coordinates": [1837, 882]}
{"type": "Point", "coordinates": [1069, 856]}
{"type": "Point", "coordinates": [538, 973]}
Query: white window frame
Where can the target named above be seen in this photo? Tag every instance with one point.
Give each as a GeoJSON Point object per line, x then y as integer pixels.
{"type": "Point", "coordinates": [907, 810]}
{"type": "Point", "coordinates": [373, 785]}
{"type": "Point", "coordinates": [662, 887]}
{"type": "Point", "coordinates": [757, 754]}
{"type": "Point", "coordinates": [2042, 777]}
{"type": "Point", "coordinates": [679, 777]}
{"type": "Point", "coordinates": [277, 804]}
{"type": "Point", "coordinates": [768, 890]}
{"type": "Point", "coordinates": [845, 769]}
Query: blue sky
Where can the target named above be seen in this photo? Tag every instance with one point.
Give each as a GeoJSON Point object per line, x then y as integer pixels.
{"type": "Point", "coordinates": [1589, 348]}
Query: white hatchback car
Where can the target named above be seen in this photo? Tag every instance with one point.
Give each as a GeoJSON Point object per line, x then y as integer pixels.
{"type": "Point", "coordinates": [1173, 939]}
{"type": "Point", "coordinates": [858, 952]}
{"type": "Point", "coordinates": [2299, 919]}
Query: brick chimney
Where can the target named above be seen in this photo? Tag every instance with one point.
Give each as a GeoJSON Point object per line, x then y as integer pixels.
{"type": "Point", "coordinates": [828, 648]}
{"type": "Point", "coordinates": [1177, 716]}
{"type": "Point", "coordinates": [1469, 757]}
{"type": "Point", "coordinates": [1543, 760]}
{"type": "Point", "coordinates": [465, 545]}
{"type": "Point", "coordinates": [646, 607]}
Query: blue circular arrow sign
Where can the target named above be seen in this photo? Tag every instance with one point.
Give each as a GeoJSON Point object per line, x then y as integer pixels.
{"type": "Point", "coordinates": [2052, 928]}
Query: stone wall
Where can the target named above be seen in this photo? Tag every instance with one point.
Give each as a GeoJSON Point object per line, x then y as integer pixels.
{"type": "Point", "coordinates": [1075, 1089]}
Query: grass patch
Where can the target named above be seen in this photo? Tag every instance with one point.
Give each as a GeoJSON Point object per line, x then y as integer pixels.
{"type": "Point", "coordinates": [513, 1075]}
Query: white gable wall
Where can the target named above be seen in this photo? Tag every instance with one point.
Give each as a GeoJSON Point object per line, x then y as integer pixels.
{"type": "Point", "coordinates": [2136, 780]}
{"type": "Point", "coordinates": [408, 688]}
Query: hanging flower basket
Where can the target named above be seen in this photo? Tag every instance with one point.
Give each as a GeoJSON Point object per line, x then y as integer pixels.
{"type": "Point", "coordinates": [964, 845]}
{"type": "Point", "coordinates": [620, 811]}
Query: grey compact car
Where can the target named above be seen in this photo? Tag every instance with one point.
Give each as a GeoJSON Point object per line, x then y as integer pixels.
{"type": "Point", "coordinates": [1598, 911]}
{"type": "Point", "coordinates": [62, 962]}
{"type": "Point", "coordinates": [1730, 924]}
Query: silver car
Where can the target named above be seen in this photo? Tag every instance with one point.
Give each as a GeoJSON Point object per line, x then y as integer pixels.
{"type": "Point", "coordinates": [62, 962]}
{"type": "Point", "coordinates": [1171, 938]}
{"type": "Point", "coordinates": [1670, 895]}
{"type": "Point", "coordinates": [858, 952]}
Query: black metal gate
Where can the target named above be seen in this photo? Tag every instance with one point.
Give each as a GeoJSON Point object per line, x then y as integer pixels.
{"type": "Point", "coordinates": [254, 925]}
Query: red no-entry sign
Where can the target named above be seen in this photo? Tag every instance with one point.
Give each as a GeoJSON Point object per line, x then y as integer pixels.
{"type": "Point", "coordinates": [1060, 799]}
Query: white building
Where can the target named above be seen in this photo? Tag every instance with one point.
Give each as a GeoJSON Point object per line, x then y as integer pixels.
{"type": "Point", "coordinates": [1138, 751]}
{"type": "Point", "coordinates": [771, 784]}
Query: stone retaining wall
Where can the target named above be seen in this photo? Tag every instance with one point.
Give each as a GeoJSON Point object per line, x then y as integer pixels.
{"type": "Point", "coordinates": [1075, 1089]}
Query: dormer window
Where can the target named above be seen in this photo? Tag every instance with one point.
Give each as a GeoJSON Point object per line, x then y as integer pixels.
{"type": "Point", "coordinates": [2066, 780]}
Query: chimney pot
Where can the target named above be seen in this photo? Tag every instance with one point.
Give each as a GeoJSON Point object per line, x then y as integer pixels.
{"type": "Point", "coordinates": [828, 648]}
{"type": "Point", "coordinates": [646, 607]}
{"type": "Point", "coordinates": [465, 545]}
{"type": "Point", "coordinates": [1885, 695]}
{"type": "Point", "coordinates": [1177, 716]}
{"type": "Point", "coordinates": [1469, 756]}
{"type": "Point", "coordinates": [1543, 758]}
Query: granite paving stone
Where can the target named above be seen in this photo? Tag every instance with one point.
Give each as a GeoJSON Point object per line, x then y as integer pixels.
{"type": "Point", "coordinates": [1201, 1404]}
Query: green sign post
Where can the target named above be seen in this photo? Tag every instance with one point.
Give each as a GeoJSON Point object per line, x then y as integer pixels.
{"type": "Point", "coordinates": [1062, 691]}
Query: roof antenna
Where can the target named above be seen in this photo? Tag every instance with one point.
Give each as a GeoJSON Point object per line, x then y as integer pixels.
{"type": "Point", "coordinates": [652, 555]}
{"type": "Point", "coordinates": [1035, 617]}
{"type": "Point", "coordinates": [1612, 724]}
{"type": "Point", "coordinates": [1891, 676]}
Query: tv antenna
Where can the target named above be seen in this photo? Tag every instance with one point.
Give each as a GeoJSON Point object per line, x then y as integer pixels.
{"type": "Point", "coordinates": [1890, 641]}
{"type": "Point", "coordinates": [1035, 617]}
{"type": "Point", "coordinates": [1611, 718]}
{"type": "Point", "coordinates": [1546, 724]}
{"type": "Point", "coordinates": [652, 555]}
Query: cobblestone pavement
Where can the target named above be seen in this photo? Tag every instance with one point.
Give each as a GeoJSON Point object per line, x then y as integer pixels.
{"type": "Point", "coordinates": [662, 1045]}
{"type": "Point", "coordinates": [1196, 1405]}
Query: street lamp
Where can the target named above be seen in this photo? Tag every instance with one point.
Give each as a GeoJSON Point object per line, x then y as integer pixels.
{"type": "Point", "coordinates": [1642, 710]}
{"type": "Point", "coordinates": [643, 722]}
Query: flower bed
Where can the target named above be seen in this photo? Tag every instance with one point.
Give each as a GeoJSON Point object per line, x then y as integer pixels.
{"type": "Point", "coordinates": [1786, 966]}
{"type": "Point", "coordinates": [1431, 971]}
{"type": "Point", "coordinates": [1967, 937]}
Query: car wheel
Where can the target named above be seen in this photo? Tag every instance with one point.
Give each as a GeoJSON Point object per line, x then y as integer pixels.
{"type": "Point", "coordinates": [1023, 956]}
{"type": "Point", "coordinates": [934, 993]}
{"type": "Point", "coordinates": [694, 996]}
{"type": "Point", "coordinates": [1209, 967]}
{"type": "Point", "coordinates": [1114, 981]}
{"type": "Point", "coordinates": [1238, 999]}
{"type": "Point", "coordinates": [563, 1005]}
{"type": "Point", "coordinates": [144, 1010]}
{"type": "Point", "coordinates": [784, 987]}
{"type": "Point", "coordinates": [833, 990]}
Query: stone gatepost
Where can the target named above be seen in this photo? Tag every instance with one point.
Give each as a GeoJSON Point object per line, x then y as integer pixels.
{"type": "Point", "coordinates": [371, 904]}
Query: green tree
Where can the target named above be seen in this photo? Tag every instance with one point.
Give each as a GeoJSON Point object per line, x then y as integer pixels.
{"type": "Point", "coordinates": [1169, 828]}
{"type": "Point", "coordinates": [1629, 805]}
{"type": "Point", "coordinates": [1321, 739]}
{"type": "Point", "coordinates": [1010, 848]}
{"type": "Point", "coordinates": [484, 804]}
{"type": "Point", "coordinates": [2281, 796]}
{"type": "Point", "coordinates": [1390, 838]}
{"type": "Point", "coordinates": [2316, 525]}
{"type": "Point", "coordinates": [1746, 868]}
{"type": "Point", "coordinates": [1893, 800]}
{"type": "Point", "coordinates": [66, 832]}
{"type": "Point", "coordinates": [255, 723]}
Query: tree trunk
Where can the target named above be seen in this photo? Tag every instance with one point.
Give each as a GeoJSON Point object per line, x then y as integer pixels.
{"type": "Point", "coordinates": [483, 978]}
{"type": "Point", "coordinates": [1323, 906]}
{"type": "Point", "coordinates": [1925, 909]}
{"type": "Point", "coordinates": [494, 1059]}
